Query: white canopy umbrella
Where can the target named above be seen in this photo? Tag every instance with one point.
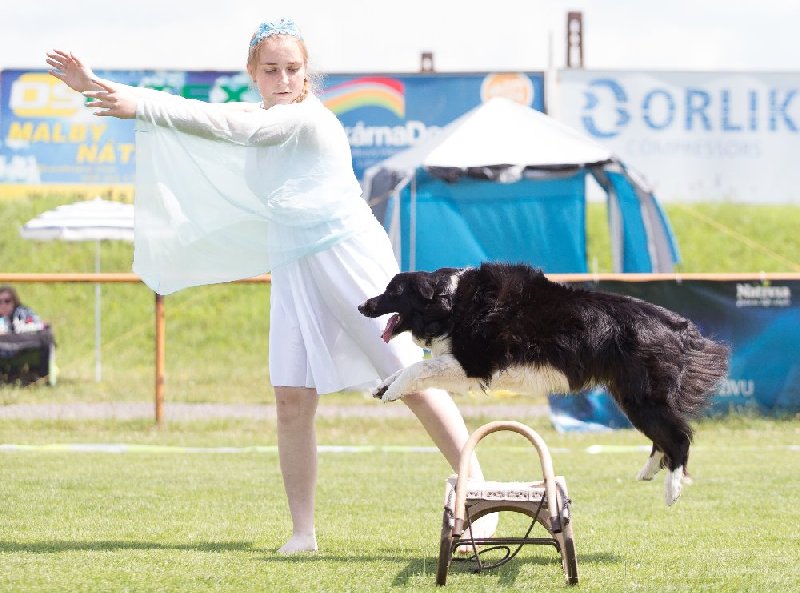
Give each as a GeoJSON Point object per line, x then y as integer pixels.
{"type": "Point", "coordinates": [92, 220]}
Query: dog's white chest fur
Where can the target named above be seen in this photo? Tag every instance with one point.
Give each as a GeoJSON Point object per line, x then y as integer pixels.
{"type": "Point", "coordinates": [541, 380]}
{"type": "Point", "coordinates": [443, 371]}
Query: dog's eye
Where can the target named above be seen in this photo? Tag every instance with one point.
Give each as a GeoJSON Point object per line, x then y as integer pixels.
{"type": "Point", "coordinates": [394, 290]}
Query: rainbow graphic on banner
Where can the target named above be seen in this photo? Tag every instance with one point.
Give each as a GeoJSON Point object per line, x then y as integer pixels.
{"type": "Point", "coordinates": [368, 91]}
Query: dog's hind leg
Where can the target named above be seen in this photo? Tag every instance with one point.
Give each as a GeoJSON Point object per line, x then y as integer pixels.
{"type": "Point", "coordinates": [671, 436]}
{"type": "Point", "coordinates": [652, 466]}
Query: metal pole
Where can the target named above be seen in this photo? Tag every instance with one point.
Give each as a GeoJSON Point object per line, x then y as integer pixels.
{"type": "Point", "coordinates": [160, 359]}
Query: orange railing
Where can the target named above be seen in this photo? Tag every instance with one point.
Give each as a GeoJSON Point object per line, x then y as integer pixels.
{"type": "Point", "coordinates": [160, 321]}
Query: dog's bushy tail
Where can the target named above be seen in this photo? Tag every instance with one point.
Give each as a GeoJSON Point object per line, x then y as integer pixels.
{"type": "Point", "coordinates": [707, 365]}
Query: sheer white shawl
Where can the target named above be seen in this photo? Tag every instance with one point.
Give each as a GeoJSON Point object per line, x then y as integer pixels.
{"type": "Point", "coordinates": [223, 194]}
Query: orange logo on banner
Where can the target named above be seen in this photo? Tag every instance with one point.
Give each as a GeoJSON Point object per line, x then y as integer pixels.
{"type": "Point", "coordinates": [36, 94]}
{"type": "Point", "coordinates": [510, 85]}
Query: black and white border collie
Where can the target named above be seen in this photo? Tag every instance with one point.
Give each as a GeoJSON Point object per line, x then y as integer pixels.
{"type": "Point", "coordinates": [509, 327]}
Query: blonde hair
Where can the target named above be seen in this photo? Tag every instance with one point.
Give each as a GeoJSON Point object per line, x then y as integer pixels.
{"type": "Point", "coordinates": [311, 82]}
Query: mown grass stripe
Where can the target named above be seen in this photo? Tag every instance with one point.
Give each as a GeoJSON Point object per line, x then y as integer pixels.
{"type": "Point", "coordinates": [134, 448]}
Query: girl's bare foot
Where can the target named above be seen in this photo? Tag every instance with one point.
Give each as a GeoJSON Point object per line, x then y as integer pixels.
{"type": "Point", "coordinates": [300, 542]}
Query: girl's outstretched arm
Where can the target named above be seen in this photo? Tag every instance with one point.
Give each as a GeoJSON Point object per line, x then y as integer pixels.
{"type": "Point", "coordinates": [78, 76]}
{"type": "Point", "coordinates": [115, 100]}
{"type": "Point", "coordinates": [69, 69]}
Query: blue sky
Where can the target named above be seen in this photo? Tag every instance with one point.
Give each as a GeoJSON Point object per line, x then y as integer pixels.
{"type": "Point", "coordinates": [365, 35]}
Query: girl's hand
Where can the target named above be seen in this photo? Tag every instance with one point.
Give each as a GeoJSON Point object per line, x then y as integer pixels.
{"type": "Point", "coordinates": [117, 100]}
{"type": "Point", "coordinates": [70, 70]}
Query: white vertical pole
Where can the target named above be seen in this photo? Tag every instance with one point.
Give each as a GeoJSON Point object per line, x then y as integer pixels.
{"type": "Point", "coordinates": [97, 371]}
{"type": "Point", "coordinates": [551, 80]}
{"type": "Point", "coordinates": [395, 230]}
{"type": "Point", "coordinates": [412, 227]}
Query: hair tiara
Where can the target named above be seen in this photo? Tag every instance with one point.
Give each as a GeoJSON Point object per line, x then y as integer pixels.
{"type": "Point", "coordinates": [280, 26]}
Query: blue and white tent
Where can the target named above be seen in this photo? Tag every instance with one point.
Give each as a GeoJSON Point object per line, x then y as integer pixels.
{"type": "Point", "coordinates": [506, 182]}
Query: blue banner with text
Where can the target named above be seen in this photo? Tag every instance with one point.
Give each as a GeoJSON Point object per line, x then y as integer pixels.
{"type": "Point", "coordinates": [758, 320]}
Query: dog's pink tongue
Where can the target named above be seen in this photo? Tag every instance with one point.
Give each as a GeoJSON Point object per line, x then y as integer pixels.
{"type": "Point", "coordinates": [393, 321]}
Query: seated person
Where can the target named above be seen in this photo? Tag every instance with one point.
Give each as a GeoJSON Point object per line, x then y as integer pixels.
{"type": "Point", "coordinates": [14, 316]}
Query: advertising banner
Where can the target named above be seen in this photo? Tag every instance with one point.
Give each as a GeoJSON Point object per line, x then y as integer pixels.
{"type": "Point", "coordinates": [694, 136]}
{"type": "Point", "coordinates": [50, 141]}
{"type": "Point", "coordinates": [758, 320]}
{"type": "Point", "coordinates": [385, 114]}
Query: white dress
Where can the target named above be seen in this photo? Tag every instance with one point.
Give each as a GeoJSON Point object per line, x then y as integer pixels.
{"type": "Point", "coordinates": [224, 194]}
{"type": "Point", "coordinates": [317, 336]}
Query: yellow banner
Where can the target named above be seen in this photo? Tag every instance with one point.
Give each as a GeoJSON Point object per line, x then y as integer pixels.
{"type": "Point", "coordinates": [117, 192]}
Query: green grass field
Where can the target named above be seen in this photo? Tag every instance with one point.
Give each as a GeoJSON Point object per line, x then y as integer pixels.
{"type": "Point", "coordinates": [169, 520]}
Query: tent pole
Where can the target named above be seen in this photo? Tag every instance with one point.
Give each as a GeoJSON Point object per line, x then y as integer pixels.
{"type": "Point", "coordinates": [395, 231]}
{"type": "Point", "coordinates": [412, 227]}
{"type": "Point", "coordinates": [97, 372]}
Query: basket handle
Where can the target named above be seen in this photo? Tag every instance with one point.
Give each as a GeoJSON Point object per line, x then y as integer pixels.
{"type": "Point", "coordinates": [544, 458]}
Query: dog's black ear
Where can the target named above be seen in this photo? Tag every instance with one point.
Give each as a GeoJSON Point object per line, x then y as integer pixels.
{"type": "Point", "coordinates": [426, 287]}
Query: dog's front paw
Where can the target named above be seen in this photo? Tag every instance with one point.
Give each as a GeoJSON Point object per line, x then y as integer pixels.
{"type": "Point", "coordinates": [380, 391]}
{"type": "Point", "coordinates": [392, 393]}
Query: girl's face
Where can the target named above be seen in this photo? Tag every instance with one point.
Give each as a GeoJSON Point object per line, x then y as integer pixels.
{"type": "Point", "coordinates": [280, 70]}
